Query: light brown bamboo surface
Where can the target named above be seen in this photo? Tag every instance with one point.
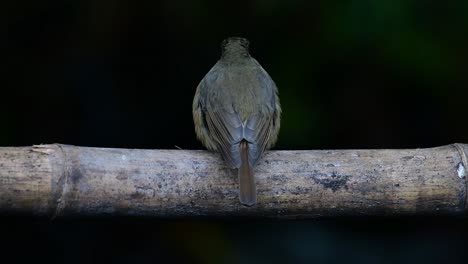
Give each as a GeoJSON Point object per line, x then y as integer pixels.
{"type": "Point", "coordinates": [62, 180]}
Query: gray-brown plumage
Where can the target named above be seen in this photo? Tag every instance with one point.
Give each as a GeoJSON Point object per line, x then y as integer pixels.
{"type": "Point", "coordinates": [236, 112]}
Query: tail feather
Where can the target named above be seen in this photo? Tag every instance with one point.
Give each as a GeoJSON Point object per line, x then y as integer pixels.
{"type": "Point", "coordinates": [247, 189]}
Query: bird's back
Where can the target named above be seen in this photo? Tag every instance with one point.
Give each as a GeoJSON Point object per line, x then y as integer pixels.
{"type": "Point", "coordinates": [239, 102]}
{"type": "Point", "coordinates": [247, 86]}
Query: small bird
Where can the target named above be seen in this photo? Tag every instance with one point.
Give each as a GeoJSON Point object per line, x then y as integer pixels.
{"type": "Point", "coordinates": [236, 111]}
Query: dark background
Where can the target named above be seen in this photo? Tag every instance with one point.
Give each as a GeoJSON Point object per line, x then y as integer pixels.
{"type": "Point", "coordinates": [122, 74]}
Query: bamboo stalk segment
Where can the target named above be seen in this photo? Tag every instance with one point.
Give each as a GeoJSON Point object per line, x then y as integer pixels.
{"type": "Point", "coordinates": [62, 180]}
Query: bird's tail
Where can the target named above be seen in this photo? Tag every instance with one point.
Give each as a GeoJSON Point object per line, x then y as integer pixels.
{"type": "Point", "coordinates": [247, 189]}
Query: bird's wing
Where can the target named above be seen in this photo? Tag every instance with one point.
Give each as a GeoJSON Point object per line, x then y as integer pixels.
{"type": "Point", "coordinates": [257, 131]}
{"type": "Point", "coordinates": [226, 130]}
{"type": "Point", "coordinates": [199, 120]}
{"type": "Point", "coordinates": [261, 128]}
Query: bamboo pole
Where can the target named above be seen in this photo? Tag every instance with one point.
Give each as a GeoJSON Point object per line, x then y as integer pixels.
{"type": "Point", "coordinates": [62, 180]}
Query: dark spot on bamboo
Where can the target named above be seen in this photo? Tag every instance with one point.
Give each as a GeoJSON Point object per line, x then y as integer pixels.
{"type": "Point", "coordinates": [406, 158]}
{"type": "Point", "coordinates": [75, 175]}
{"type": "Point", "coordinates": [122, 175]}
{"type": "Point", "coordinates": [334, 182]}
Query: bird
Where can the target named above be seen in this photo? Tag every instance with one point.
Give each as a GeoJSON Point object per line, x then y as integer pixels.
{"type": "Point", "coordinates": [237, 112]}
